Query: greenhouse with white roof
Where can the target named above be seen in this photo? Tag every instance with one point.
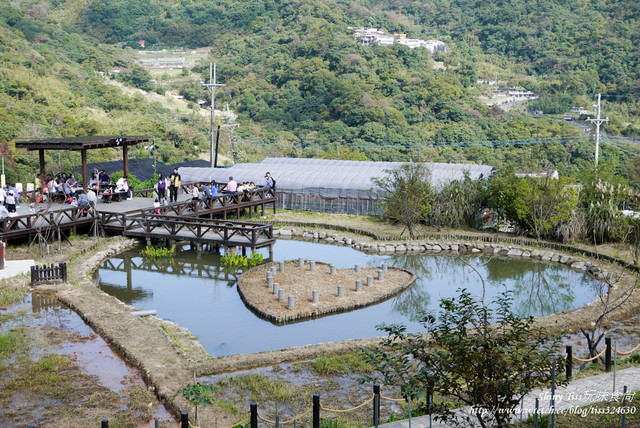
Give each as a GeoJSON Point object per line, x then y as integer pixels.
{"type": "Point", "coordinates": [326, 185]}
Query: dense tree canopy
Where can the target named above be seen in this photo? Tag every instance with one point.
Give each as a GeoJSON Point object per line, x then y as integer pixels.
{"type": "Point", "coordinates": [296, 75]}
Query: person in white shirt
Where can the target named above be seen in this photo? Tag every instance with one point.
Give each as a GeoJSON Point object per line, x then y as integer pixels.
{"type": "Point", "coordinates": [122, 185]}
{"type": "Point", "coordinates": [195, 192]}
{"type": "Point", "coordinates": [92, 197]}
{"type": "Point", "coordinates": [10, 202]}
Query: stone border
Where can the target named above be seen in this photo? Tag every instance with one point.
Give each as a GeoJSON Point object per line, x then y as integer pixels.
{"type": "Point", "coordinates": [434, 247]}
{"type": "Point", "coordinates": [307, 228]}
{"type": "Point", "coordinates": [305, 316]}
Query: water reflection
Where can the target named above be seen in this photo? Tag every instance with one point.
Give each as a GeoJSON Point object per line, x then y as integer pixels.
{"type": "Point", "coordinates": [198, 293]}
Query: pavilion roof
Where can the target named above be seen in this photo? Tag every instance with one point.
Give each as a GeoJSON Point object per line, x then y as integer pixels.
{"type": "Point", "coordinates": [79, 143]}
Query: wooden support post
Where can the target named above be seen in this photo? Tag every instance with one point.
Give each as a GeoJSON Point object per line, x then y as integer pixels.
{"type": "Point", "coordinates": [42, 166]}
{"type": "Point", "coordinates": [128, 271]}
{"type": "Point", "coordinates": [83, 161]}
{"type": "Point", "coordinates": [244, 251]}
{"type": "Point", "coordinates": [125, 159]}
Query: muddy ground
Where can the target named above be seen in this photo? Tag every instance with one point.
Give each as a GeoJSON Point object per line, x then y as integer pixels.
{"type": "Point", "coordinates": [56, 371]}
{"type": "Point", "coordinates": [143, 343]}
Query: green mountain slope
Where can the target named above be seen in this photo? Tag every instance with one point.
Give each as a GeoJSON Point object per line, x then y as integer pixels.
{"type": "Point", "coordinates": [300, 82]}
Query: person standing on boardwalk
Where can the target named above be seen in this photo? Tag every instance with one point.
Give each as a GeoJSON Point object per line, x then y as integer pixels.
{"type": "Point", "coordinates": [174, 183]}
{"type": "Point", "coordinates": [161, 187]}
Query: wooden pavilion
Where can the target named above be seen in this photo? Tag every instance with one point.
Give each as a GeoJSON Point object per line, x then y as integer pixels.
{"type": "Point", "coordinates": [82, 144]}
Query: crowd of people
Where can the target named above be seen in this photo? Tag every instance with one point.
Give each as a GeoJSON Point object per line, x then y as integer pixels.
{"type": "Point", "coordinates": [70, 191]}
{"type": "Point", "coordinates": [201, 191]}
{"type": "Point", "coordinates": [9, 200]}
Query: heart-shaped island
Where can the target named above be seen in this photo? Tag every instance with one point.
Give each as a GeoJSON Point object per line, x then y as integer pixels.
{"type": "Point", "coordinates": [298, 290]}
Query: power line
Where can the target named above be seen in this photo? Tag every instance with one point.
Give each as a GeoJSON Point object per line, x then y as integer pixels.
{"type": "Point", "coordinates": [419, 144]}
{"type": "Point", "coordinates": [620, 148]}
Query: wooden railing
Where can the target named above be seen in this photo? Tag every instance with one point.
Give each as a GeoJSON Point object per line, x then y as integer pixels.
{"type": "Point", "coordinates": [201, 229]}
{"type": "Point", "coordinates": [47, 273]}
{"type": "Point", "coordinates": [207, 205]}
{"type": "Point", "coordinates": [11, 227]}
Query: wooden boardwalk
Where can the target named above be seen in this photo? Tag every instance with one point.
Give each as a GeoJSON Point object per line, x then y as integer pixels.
{"type": "Point", "coordinates": [185, 220]}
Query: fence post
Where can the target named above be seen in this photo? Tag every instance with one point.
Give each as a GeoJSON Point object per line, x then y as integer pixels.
{"type": "Point", "coordinates": [3, 250]}
{"type": "Point", "coordinates": [607, 354]}
{"type": "Point", "coordinates": [624, 405]}
{"type": "Point", "coordinates": [64, 271]}
{"type": "Point", "coordinates": [316, 411]}
{"type": "Point", "coordinates": [104, 423]}
{"type": "Point", "coordinates": [376, 405]}
{"type": "Point", "coordinates": [430, 407]}
{"type": "Point", "coordinates": [552, 404]}
{"type": "Point", "coordinates": [535, 415]}
{"type": "Point", "coordinates": [254, 415]}
{"type": "Point", "coordinates": [33, 275]}
{"type": "Point", "coordinates": [569, 362]}
{"type": "Point", "coordinates": [615, 364]}
{"type": "Point", "coordinates": [184, 420]}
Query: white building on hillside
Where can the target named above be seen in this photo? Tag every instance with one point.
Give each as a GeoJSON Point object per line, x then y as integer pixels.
{"type": "Point", "coordinates": [369, 36]}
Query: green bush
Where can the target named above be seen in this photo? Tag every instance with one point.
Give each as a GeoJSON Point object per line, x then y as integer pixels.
{"type": "Point", "coordinates": [240, 261]}
{"type": "Point", "coordinates": [158, 252]}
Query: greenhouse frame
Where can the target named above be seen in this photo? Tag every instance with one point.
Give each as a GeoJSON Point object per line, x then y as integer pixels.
{"type": "Point", "coordinates": [326, 185]}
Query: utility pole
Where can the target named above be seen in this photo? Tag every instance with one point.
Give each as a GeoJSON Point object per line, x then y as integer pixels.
{"type": "Point", "coordinates": [598, 122]}
{"type": "Point", "coordinates": [230, 127]}
{"type": "Point", "coordinates": [212, 86]}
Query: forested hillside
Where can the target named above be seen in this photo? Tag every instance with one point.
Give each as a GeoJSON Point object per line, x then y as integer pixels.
{"type": "Point", "coordinates": [303, 86]}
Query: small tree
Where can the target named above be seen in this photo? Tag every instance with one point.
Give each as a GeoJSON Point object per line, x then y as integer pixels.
{"type": "Point", "coordinates": [550, 203]}
{"type": "Point", "coordinates": [486, 358]}
{"type": "Point", "coordinates": [538, 205]}
{"type": "Point", "coordinates": [407, 194]}
{"type": "Point", "coordinates": [458, 203]}
{"type": "Point", "coordinates": [198, 394]}
{"type": "Point", "coordinates": [610, 298]}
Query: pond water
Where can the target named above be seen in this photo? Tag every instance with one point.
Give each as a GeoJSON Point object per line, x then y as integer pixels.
{"type": "Point", "coordinates": [196, 292]}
